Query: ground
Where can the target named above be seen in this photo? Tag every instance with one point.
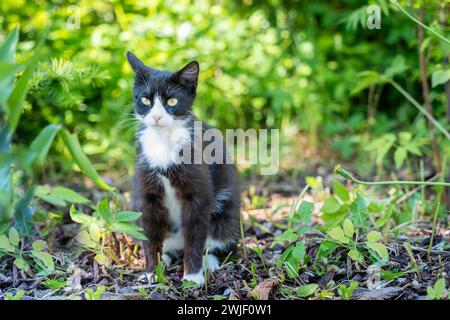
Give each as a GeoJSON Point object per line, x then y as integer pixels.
{"type": "Point", "coordinates": [252, 272]}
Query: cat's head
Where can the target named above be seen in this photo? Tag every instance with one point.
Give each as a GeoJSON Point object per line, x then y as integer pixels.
{"type": "Point", "coordinates": [161, 97]}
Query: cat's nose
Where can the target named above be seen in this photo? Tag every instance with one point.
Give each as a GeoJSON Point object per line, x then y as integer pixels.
{"type": "Point", "coordinates": [156, 118]}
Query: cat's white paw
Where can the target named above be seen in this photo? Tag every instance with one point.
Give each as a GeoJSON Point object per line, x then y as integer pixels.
{"type": "Point", "coordinates": [167, 259]}
{"type": "Point", "coordinates": [198, 278]}
{"type": "Point", "coordinates": [212, 262]}
{"type": "Point", "coordinates": [148, 277]}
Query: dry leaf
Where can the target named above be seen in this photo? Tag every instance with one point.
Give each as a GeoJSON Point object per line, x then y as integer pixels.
{"type": "Point", "coordinates": [263, 289]}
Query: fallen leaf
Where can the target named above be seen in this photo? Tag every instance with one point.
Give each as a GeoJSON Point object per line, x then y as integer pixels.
{"type": "Point", "coordinates": [263, 289]}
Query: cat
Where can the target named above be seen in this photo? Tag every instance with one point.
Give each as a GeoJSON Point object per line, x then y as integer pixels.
{"type": "Point", "coordinates": [187, 208]}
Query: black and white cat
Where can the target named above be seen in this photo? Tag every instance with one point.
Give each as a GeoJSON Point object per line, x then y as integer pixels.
{"type": "Point", "coordinates": [187, 208]}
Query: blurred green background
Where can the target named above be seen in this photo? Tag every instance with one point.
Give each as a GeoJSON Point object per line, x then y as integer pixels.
{"type": "Point", "coordinates": [294, 65]}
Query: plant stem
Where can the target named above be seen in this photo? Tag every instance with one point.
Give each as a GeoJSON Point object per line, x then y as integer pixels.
{"type": "Point", "coordinates": [426, 92]}
{"type": "Point", "coordinates": [344, 173]}
{"type": "Point", "coordinates": [433, 230]}
{"type": "Point", "coordinates": [421, 109]}
{"type": "Point", "coordinates": [419, 22]}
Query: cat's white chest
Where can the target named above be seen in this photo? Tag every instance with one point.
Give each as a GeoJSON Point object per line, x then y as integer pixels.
{"type": "Point", "coordinates": [174, 240]}
{"type": "Point", "coordinates": [161, 145]}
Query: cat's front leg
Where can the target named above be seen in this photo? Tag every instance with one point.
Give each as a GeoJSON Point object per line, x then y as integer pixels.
{"type": "Point", "coordinates": [195, 229]}
{"type": "Point", "coordinates": [154, 220]}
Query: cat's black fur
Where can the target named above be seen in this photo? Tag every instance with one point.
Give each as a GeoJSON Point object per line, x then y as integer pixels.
{"type": "Point", "coordinates": [209, 194]}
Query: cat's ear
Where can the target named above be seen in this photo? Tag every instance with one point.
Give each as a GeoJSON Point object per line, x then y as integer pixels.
{"type": "Point", "coordinates": [188, 75]}
{"type": "Point", "coordinates": [135, 63]}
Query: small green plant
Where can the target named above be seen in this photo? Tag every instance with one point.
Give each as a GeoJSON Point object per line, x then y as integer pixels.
{"type": "Point", "coordinates": [14, 246]}
{"type": "Point", "coordinates": [347, 292]}
{"type": "Point", "coordinates": [307, 290]}
{"type": "Point", "coordinates": [96, 229]}
{"type": "Point", "coordinates": [438, 291]}
{"type": "Point", "coordinates": [94, 295]}
{"type": "Point", "coordinates": [144, 294]}
{"type": "Point", "coordinates": [16, 296]}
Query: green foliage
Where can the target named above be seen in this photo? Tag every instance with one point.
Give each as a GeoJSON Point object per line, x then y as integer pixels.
{"type": "Point", "coordinates": [16, 296]}
{"type": "Point", "coordinates": [23, 161]}
{"type": "Point", "coordinates": [346, 292]}
{"type": "Point", "coordinates": [438, 291]}
{"type": "Point", "coordinates": [307, 290]}
{"type": "Point", "coordinates": [14, 246]}
{"type": "Point", "coordinates": [90, 294]}
{"type": "Point", "coordinates": [97, 228]}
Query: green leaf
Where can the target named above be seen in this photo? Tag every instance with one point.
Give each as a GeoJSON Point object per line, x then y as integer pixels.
{"type": "Point", "coordinates": [400, 156]}
{"type": "Point", "coordinates": [9, 46]}
{"type": "Point", "coordinates": [42, 143]}
{"type": "Point", "coordinates": [80, 217]}
{"type": "Point", "coordinates": [430, 293]}
{"type": "Point", "coordinates": [306, 209]}
{"type": "Point", "coordinates": [331, 205]}
{"type": "Point", "coordinates": [8, 73]}
{"type": "Point", "coordinates": [19, 294]}
{"type": "Point", "coordinates": [398, 66]}
{"type": "Point", "coordinates": [68, 195]}
{"type": "Point", "coordinates": [85, 239]}
{"type": "Point", "coordinates": [14, 237]}
{"type": "Point", "coordinates": [439, 288]}
{"type": "Point", "coordinates": [127, 216]}
{"type": "Point", "coordinates": [21, 264]}
{"type": "Point", "coordinates": [341, 191]}
{"type": "Point", "coordinates": [94, 232]}
{"type": "Point", "coordinates": [283, 257]}
{"type": "Point", "coordinates": [404, 137]}
{"type": "Point", "coordinates": [5, 245]}
{"type": "Point", "coordinates": [380, 249]}
{"type": "Point", "coordinates": [54, 284]}
{"type": "Point", "coordinates": [299, 251]}
{"type": "Point", "coordinates": [373, 236]}
{"type": "Point", "coordinates": [288, 235]}
{"type": "Point", "coordinates": [17, 98]}
{"type": "Point", "coordinates": [326, 248]}
{"type": "Point", "coordinates": [355, 255]}
{"type": "Point", "coordinates": [101, 259]}
{"type": "Point", "coordinates": [74, 147]}
{"type": "Point", "coordinates": [348, 228]}
{"type": "Point", "coordinates": [39, 245]}
{"type": "Point", "coordinates": [104, 212]}
{"type": "Point", "coordinates": [45, 257]}
{"type": "Point", "coordinates": [337, 234]}
{"type": "Point", "coordinates": [129, 229]}
{"type": "Point", "coordinates": [439, 77]}
{"type": "Point", "coordinates": [307, 290]}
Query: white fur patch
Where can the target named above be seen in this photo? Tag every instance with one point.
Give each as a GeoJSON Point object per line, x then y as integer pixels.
{"type": "Point", "coordinates": [148, 277]}
{"type": "Point", "coordinates": [213, 244]}
{"type": "Point", "coordinates": [198, 278]}
{"type": "Point", "coordinates": [212, 262]}
{"type": "Point", "coordinates": [167, 259]}
{"type": "Point", "coordinates": [174, 241]}
{"type": "Point", "coordinates": [162, 142]}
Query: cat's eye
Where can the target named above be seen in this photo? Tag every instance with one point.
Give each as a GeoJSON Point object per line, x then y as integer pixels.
{"type": "Point", "coordinates": [172, 101]}
{"type": "Point", "coordinates": [145, 101]}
